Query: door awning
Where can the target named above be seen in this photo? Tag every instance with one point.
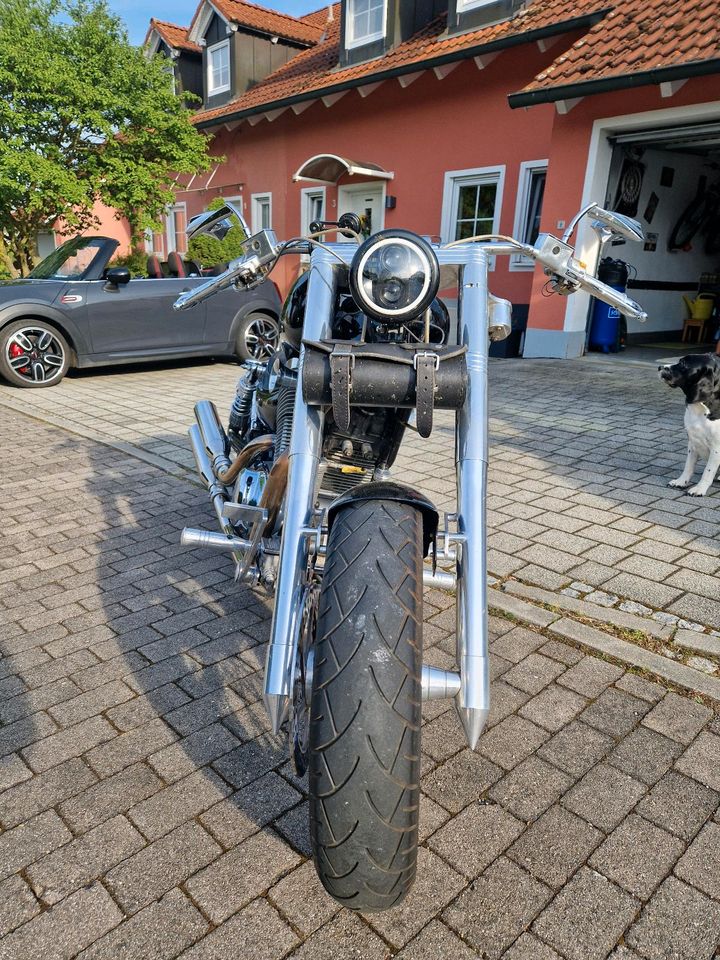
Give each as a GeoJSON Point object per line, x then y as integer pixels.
{"type": "Point", "coordinates": [328, 168]}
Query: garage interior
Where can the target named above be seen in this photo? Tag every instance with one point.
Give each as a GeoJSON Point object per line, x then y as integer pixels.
{"type": "Point", "coordinates": [669, 180]}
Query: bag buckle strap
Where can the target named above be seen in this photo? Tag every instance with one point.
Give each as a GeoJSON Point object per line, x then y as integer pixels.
{"type": "Point", "coordinates": [425, 363]}
{"type": "Point", "coordinates": [342, 361]}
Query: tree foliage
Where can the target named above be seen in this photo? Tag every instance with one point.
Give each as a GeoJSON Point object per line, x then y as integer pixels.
{"type": "Point", "coordinates": [84, 116]}
{"type": "Point", "coordinates": [209, 251]}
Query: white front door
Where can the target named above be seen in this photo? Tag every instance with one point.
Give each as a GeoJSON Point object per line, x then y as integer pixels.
{"type": "Point", "coordinates": [367, 200]}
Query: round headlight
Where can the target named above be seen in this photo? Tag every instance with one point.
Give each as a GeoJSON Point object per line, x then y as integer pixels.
{"type": "Point", "coordinates": [394, 276]}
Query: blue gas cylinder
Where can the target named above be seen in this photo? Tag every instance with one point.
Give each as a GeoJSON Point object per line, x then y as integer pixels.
{"type": "Point", "coordinates": [605, 322]}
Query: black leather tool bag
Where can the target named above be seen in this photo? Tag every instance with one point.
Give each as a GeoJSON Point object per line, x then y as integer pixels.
{"type": "Point", "coordinates": [347, 375]}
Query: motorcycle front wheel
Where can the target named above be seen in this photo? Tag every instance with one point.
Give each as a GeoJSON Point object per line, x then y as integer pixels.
{"type": "Point", "coordinates": [364, 743]}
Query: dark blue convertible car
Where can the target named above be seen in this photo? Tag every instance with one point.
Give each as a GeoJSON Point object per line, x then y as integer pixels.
{"type": "Point", "coordinates": [74, 310]}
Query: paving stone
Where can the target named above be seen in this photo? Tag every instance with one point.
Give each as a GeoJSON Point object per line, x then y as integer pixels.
{"type": "Point", "coordinates": [147, 708]}
{"type": "Point", "coordinates": [615, 712]}
{"type": "Point", "coordinates": [555, 846]}
{"type": "Point", "coordinates": [84, 860]}
{"type": "Point", "coordinates": [294, 827]}
{"type": "Point", "coordinates": [162, 865]}
{"type": "Point", "coordinates": [435, 886]}
{"type": "Point", "coordinates": [678, 922]}
{"type": "Point", "coordinates": [30, 841]}
{"type": "Point", "coordinates": [432, 817]}
{"type": "Point", "coordinates": [528, 947]}
{"type": "Point", "coordinates": [529, 789]}
{"type": "Point", "coordinates": [697, 642]}
{"type": "Point", "coordinates": [576, 748]}
{"type": "Point", "coordinates": [590, 676]}
{"type": "Point", "coordinates": [12, 771]}
{"type": "Point", "coordinates": [109, 797]}
{"type": "Point", "coordinates": [604, 796]}
{"type": "Point", "coordinates": [497, 908]}
{"type": "Point", "coordinates": [91, 703]}
{"type": "Point", "coordinates": [678, 718]}
{"type": "Point", "coordinates": [159, 932]}
{"type": "Point", "coordinates": [177, 803]}
{"type": "Point", "coordinates": [637, 856]}
{"type": "Point", "coordinates": [700, 866]}
{"type": "Point", "coordinates": [182, 758]}
{"type": "Point", "coordinates": [645, 755]}
{"type": "Point", "coordinates": [56, 934]}
{"type": "Point", "coordinates": [587, 918]}
{"type": "Point", "coordinates": [240, 875]}
{"type": "Point", "coordinates": [444, 736]}
{"type": "Point", "coordinates": [553, 707]}
{"type": "Point", "coordinates": [511, 741]}
{"type": "Point", "coordinates": [563, 652]}
{"type": "Point", "coordinates": [256, 933]}
{"type": "Point", "coordinates": [128, 748]}
{"type": "Point", "coordinates": [246, 811]}
{"type": "Point", "coordinates": [504, 701]}
{"type": "Point", "coordinates": [639, 687]}
{"type": "Point", "coordinates": [533, 673]}
{"type": "Point", "coordinates": [679, 804]}
{"type": "Point", "coordinates": [44, 791]}
{"type": "Point", "coordinates": [460, 781]}
{"type": "Point", "coordinates": [344, 938]}
{"type": "Point", "coordinates": [68, 743]}
{"type": "Point", "coordinates": [517, 644]}
{"type": "Point", "coordinates": [251, 760]}
{"type": "Point", "coordinates": [23, 732]}
{"type": "Point", "coordinates": [701, 761]}
{"type": "Point", "coordinates": [694, 607]}
{"type": "Point", "coordinates": [17, 904]}
{"type": "Point", "coordinates": [457, 842]}
{"type": "Point", "coordinates": [435, 941]}
{"type": "Point", "coordinates": [302, 900]}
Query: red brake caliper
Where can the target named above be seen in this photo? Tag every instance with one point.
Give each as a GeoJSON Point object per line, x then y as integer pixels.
{"type": "Point", "coordinates": [16, 351]}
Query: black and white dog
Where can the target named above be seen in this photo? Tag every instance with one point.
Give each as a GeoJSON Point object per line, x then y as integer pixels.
{"type": "Point", "coordinates": [698, 376]}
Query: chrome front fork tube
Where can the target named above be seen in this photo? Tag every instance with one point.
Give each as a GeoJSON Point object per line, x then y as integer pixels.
{"type": "Point", "coordinates": [471, 460]}
{"type": "Point", "coordinates": [304, 459]}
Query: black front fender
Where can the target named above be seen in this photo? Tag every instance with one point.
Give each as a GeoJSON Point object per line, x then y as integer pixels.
{"type": "Point", "coordinates": [387, 490]}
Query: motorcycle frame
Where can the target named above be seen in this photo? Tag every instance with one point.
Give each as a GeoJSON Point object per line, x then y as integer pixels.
{"type": "Point", "coordinates": [471, 688]}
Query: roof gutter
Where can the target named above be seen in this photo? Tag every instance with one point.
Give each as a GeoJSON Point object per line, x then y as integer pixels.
{"type": "Point", "coordinates": [573, 91]}
{"type": "Point", "coordinates": [542, 33]}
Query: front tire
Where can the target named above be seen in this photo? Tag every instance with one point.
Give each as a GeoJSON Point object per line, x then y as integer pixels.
{"type": "Point", "coordinates": [33, 354]}
{"type": "Point", "coordinates": [365, 715]}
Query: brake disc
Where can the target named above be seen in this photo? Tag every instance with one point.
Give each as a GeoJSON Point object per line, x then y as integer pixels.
{"type": "Point", "coordinates": [302, 681]}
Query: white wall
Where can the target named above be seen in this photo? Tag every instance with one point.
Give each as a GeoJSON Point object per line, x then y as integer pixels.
{"type": "Point", "coordinates": [665, 307]}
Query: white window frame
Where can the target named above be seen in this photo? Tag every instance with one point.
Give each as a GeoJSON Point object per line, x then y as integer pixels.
{"type": "Point", "coordinates": [351, 41]}
{"type": "Point", "coordinates": [527, 168]}
{"type": "Point", "coordinates": [211, 90]}
{"type": "Point", "coordinates": [307, 195]}
{"type": "Point", "coordinates": [170, 228]}
{"type": "Point", "coordinates": [463, 5]}
{"type": "Point", "coordinates": [257, 201]}
{"type": "Point", "coordinates": [454, 179]}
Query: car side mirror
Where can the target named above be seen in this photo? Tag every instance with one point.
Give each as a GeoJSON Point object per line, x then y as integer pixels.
{"type": "Point", "coordinates": [117, 276]}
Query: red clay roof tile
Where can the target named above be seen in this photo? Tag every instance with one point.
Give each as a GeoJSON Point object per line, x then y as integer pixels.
{"type": "Point", "coordinates": [315, 70]}
{"type": "Point", "coordinates": [173, 35]}
{"type": "Point", "coordinates": [268, 21]}
{"type": "Point", "coordinates": [641, 36]}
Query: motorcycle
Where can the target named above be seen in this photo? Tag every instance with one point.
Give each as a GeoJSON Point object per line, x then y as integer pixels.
{"type": "Point", "coordinates": [307, 507]}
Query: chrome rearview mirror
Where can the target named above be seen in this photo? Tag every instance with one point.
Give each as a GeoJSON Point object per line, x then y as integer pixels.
{"type": "Point", "coordinates": [216, 223]}
{"type": "Point", "coordinates": [607, 224]}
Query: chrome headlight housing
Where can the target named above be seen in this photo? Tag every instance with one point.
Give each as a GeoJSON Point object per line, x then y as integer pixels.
{"type": "Point", "coordinates": [394, 276]}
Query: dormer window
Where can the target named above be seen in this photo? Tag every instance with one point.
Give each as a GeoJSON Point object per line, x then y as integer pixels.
{"type": "Point", "coordinates": [218, 68]}
{"type": "Point", "coordinates": [365, 21]}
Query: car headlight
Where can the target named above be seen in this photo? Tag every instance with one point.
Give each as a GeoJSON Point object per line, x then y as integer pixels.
{"type": "Point", "coordinates": [394, 276]}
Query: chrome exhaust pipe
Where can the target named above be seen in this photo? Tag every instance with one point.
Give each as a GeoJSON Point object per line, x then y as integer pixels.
{"type": "Point", "coordinates": [213, 435]}
{"type": "Point", "coordinates": [218, 494]}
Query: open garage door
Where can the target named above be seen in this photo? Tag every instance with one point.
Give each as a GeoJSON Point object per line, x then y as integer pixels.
{"type": "Point", "coordinates": [669, 179]}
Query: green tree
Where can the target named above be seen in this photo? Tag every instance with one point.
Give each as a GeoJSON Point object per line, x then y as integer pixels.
{"type": "Point", "coordinates": [84, 116]}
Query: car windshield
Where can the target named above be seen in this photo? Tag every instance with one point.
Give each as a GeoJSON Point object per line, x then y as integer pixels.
{"type": "Point", "coordinates": [70, 261]}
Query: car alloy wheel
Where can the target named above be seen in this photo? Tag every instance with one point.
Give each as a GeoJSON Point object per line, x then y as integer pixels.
{"type": "Point", "coordinates": [261, 337]}
{"type": "Point", "coordinates": [35, 355]}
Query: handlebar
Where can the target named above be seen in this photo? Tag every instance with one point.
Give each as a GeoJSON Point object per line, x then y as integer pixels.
{"type": "Point", "coordinates": [567, 275]}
